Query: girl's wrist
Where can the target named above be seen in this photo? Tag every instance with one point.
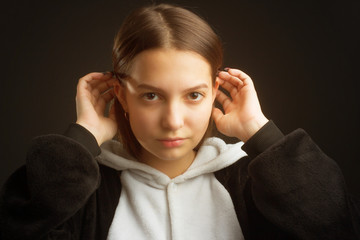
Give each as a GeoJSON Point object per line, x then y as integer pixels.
{"type": "Point", "coordinates": [91, 130]}
{"type": "Point", "coordinates": [251, 127]}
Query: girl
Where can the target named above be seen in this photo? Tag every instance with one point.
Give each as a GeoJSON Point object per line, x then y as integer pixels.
{"type": "Point", "coordinates": [164, 177]}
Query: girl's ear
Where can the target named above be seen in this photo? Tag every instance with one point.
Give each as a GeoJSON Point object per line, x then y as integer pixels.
{"type": "Point", "coordinates": [120, 93]}
{"type": "Point", "coordinates": [215, 88]}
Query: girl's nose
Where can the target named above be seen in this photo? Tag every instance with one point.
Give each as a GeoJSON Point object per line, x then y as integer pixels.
{"type": "Point", "coordinates": [173, 117]}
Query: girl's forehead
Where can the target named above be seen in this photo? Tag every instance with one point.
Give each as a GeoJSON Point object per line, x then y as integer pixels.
{"type": "Point", "coordinates": [170, 65]}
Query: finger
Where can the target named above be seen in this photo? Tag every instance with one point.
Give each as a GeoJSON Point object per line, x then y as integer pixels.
{"type": "Point", "coordinates": [223, 99]}
{"type": "Point", "coordinates": [103, 100]}
{"type": "Point", "coordinates": [100, 86]}
{"type": "Point", "coordinates": [107, 79]}
{"type": "Point", "coordinates": [232, 85]}
{"type": "Point", "coordinates": [94, 76]}
{"type": "Point", "coordinates": [233, 90]}
{"type": "Point", "coordinates": [103, 86]}
{"type": "Point", "coordinates": [240, 74]}
{"type": "Point", "coordinates": [235, 81]}
{"type": "Point", "coordinates": [217, 114]}
{"type": "Point", "coordinates": [108, 96]}
{"type": "Point", "coordinates": [237, 73]}
{"type": "Point", "coordinates": [92, 79]}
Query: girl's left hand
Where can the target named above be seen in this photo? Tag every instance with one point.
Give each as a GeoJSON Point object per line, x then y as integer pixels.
{"type": "Point", "coordinates": [243, 116]}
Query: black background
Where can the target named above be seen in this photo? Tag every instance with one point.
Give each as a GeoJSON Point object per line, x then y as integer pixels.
{"type": "Point", "coordinates": [303, 57]}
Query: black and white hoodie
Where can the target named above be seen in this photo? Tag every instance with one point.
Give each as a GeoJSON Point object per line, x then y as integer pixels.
{"type": "Point", "coordinates": [193, 205]}
{"type": "Point", "coordinates": [285, 188]}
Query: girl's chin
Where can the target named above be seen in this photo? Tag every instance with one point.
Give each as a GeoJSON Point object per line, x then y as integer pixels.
{"type": "Point", "coordinates": [168, 155]}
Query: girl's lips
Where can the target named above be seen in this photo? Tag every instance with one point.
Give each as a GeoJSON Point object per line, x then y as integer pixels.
{"type": "Point", "coordinates": [170, 143]}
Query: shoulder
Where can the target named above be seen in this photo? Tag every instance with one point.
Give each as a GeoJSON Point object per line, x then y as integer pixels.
{"type": "Point", "coordinates": [235, 175]}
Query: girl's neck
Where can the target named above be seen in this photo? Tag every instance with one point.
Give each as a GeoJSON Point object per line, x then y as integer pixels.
{"type": "Point", "coordinates": [172, 168]}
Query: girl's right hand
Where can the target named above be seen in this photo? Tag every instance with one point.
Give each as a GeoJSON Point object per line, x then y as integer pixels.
{"type": "Point", "coordinates": [94, 92]}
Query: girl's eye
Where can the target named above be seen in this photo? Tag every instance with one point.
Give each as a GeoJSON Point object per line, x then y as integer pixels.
{"type": "Point", "coordinates": [195, 96]}
{"type": "Point", "coordinates": [150, 96]}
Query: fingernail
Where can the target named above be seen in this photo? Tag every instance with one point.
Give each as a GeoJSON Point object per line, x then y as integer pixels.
{"type": "Point", "coordinates": [226, 69]}
{"type": "Point", "coordinates": [107, 72]}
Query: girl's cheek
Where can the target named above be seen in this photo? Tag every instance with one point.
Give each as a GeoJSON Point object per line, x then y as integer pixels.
{"type": "Point", "coordinates": [143, 125]}
{"type": "Point", "coordinates": [201, 114]}
{"type": "Point", "coordinates": [144, 116]}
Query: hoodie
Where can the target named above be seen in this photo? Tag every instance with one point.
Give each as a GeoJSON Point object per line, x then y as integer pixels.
{"type": "Point", "coordinates": [193, 205]}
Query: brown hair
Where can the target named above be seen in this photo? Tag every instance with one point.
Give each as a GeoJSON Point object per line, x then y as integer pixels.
{"type": "Point", "coordinates": [160, 26]}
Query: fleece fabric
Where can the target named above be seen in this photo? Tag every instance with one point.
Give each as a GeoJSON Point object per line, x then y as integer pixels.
{"type": "Point", "coordinates": [286, 188]}
{"type": "Point", "coordinates": [194, 205]}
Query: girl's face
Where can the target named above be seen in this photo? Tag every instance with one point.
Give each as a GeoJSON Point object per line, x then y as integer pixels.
{"type": "Point", "coordinates": [169, 97]}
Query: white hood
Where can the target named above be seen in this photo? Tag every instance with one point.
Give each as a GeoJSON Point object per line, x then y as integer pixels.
{"type": "Point", "coordinates": [212, 156]}
{"type": "Point", "coordinates": [193, 205]}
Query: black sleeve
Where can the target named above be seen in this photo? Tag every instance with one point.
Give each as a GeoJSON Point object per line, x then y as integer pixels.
{"type": "Point", "coordinates": [59, 176]}
{"type": "Point", "coordinates": [84, 137]}
{"type": "Point", "coordinates": [299, 189]}
{"type": "Point", "coordinates": [268, 135]}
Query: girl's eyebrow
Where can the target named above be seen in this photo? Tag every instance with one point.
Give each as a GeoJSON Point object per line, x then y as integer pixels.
{"type": "Point", "coordinates": [156, 89]}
